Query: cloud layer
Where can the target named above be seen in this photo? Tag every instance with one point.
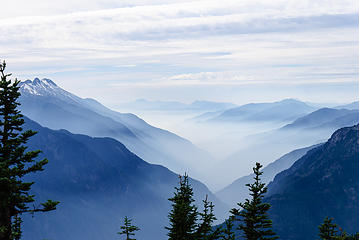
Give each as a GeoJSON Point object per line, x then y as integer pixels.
{"type": "Point", "coordinates": [142, 45]}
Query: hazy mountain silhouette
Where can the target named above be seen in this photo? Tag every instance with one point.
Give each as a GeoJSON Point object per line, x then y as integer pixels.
{"type": "Point", "coordinates": [350, 106]}
{"type": "Point", "coordinates": [285, 110]}
{"type": "Point", "coordinates": [172, 106]}
{"type": "Point", "coordinates": [237, 191]}
{"type": "Point", "coordinates": [98, 182]}
{"type": "Point", "coordinates": [325, 118]}
{"type": "Point", "coordinates": [311, 129]}
{"type": "Point", "coordinates": [51, 106]}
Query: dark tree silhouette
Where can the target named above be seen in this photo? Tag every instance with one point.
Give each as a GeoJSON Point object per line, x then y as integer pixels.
{"type": "Point", "coordinates": [183, 215]}
{"type": "Point", "coordinates": [253, 213]}
{"type": "Point", "coordinates": [228, 231]}
{"type": "Point", "coordinates": [328, 230]}
{"type": "Point", "coordinates": [128, 229]}
{"type": "Point", "coordinates": [205, 230]}
{"type": "Point", "coordinates": [15, 162]}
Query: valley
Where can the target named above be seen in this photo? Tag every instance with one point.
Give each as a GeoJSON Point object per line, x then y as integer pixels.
{"type": "Point", "coordinates": [96, 165]}
{"type": "Point", "coordinates": [179, 120]}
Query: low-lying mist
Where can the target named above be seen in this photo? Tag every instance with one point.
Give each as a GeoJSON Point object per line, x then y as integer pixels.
{"type": "Point", "coordinates": [234, 146]}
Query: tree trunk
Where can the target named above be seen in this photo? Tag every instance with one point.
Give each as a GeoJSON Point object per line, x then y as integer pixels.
{"type": "Point", "coordinates": [5, 224]}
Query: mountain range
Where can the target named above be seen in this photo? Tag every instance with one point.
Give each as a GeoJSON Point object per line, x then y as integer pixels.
{"type": "Point", "coordinates": [51, 106]}
{"type": "Point", "coordinates": [98, 174]}
{"type": "Point", "coordinates": [282, 111]}
{"type": "Point", "coordinates": [172, 106]}
{"type": "Point", "coordinates": [311, 129]}
{"type": "Point", "coordinates": [325, 118]}
{"type": "Point", "coordinates": [99, 181]}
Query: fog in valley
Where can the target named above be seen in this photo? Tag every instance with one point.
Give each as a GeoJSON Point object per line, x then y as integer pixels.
{"type": "Point", "coordinates": [138, 151]}
{"type": "Point", "coordinates": [234, 146]}
{"type": "Point", "coordinates": [130, 97]}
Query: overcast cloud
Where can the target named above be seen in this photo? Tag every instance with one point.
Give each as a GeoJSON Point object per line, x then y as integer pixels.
{"type": "Point", "coordinates": [185, 50]}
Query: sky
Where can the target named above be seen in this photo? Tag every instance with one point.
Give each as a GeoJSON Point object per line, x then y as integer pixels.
{"type": "Point", "coordinates": [230, 50]}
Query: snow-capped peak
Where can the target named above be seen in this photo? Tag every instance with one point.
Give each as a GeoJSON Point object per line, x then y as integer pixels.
{"type": "Point", "coordinates": [44, 81]}
{"type": "Point", "coordinates": [45, 87]}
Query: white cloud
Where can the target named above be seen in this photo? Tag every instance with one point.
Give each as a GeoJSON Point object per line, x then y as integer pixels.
{"type": "Point", "coordinates": [183, 43]}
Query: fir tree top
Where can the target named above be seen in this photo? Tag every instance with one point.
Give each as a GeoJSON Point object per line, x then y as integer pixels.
{"type": "Point", "coordinates": [253, 213]}
{"type": "Point", "coordinates": [183, 215]}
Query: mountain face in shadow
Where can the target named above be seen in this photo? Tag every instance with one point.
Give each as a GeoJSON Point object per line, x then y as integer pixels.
{"type": "Point", "coordinates": [238, 192]}
{"type": "Point", "coordinates": [98, 182]}
{"type": "Point", "coordinates": [322, 183]}
{"type": "Point", "coordinates": [51, 106]}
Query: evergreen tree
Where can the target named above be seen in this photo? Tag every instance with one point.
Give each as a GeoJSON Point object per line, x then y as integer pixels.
{"type": "Point", "coordinates": [15, 162]}
{"type": "Point", "coordinates": [352, 237]}
{"type": "Point", "coordinates": [183, 215]}
{"type": "Point", "coordinates": [328, 230]}
{"type": "Point", "coordinates": [253, 215]}
{"type": "Point", "coordinates": [228, 233]}
{"type": "Point", "coordinates": [128, 229]}
{"type": "Point", "coordinates": [344, 236]}
{"type": "Point", "coordinates": [205, 230]}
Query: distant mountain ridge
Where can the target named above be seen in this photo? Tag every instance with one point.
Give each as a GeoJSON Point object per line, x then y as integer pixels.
{"type": "Point", "coordinates": [311, 129]}
{"type": "Point", "coordinates": [238, 192]}
{"type": "Point", "coordinates": [53, 107]}
{"type": "Point", "coordinates": [285, 110]}
{"type": "Point", "coordinates": [98, 182]}
{"type": "Point", "coordinates": [350, 106]}
{"type": "Point", "coordinates": [322, 183]}
{"type": "Point", "coordinates": [146, 105]}
{"type": "Point", "coordinates": [326, 118]}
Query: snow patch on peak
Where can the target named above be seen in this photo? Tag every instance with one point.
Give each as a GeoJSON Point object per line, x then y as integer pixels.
{"type": "Point", "coordinates": [29, 89]}
{"type": "Point", "coordinates": [45, 87]}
